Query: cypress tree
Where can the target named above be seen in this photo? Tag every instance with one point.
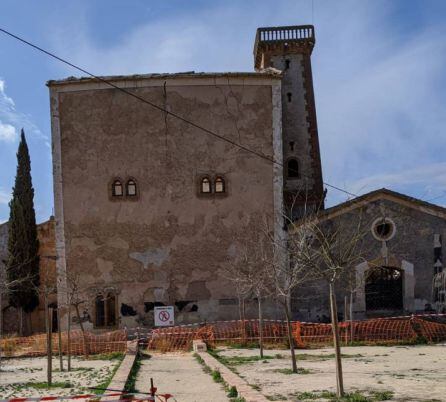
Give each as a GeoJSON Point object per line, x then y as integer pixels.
{"type": "Point", "coordinates": [23, 244]}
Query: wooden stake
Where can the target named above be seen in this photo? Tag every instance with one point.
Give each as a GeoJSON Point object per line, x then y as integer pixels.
{"type": "Point", "coordinates": [337, 346]}
{"type": "Point", "coordinates": [49, 351]}
{"type": "Point", "coordinates": [59, 336]}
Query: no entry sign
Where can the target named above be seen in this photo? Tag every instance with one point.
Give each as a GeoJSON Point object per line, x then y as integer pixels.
{"type": "Point", "coordinates": [164, 316]}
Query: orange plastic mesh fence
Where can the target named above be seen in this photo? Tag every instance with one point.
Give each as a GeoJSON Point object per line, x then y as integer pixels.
{"type": "Point", "coordinates": [374, 331]}
{"type": "Point", "coordinates": [431, 330]}
{"type": "Point", "coordinates": [36, 345]}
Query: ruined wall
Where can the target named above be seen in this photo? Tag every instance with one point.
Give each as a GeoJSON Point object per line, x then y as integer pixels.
{"type": "Point", "coordinates": [169, 244]}
{"type": "Point", "coordinates": [411, 248]}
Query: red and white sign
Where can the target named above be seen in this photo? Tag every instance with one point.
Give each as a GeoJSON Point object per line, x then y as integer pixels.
{"type": "Point", "coordinates": [164, 316]}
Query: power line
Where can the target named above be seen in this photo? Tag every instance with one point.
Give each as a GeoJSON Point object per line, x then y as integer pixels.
{"type": "Point", "coordinates": [167, 112]}
{"type": "Point", "coordinates": [162, 109]}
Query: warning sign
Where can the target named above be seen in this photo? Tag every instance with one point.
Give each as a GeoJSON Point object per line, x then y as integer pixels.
{"type": "Point", "coordinates": [164, 316]}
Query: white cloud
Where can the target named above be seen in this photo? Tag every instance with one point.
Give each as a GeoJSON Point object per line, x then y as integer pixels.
{"type": "Point", "coordinates": [379, 86]}
{"type": "Point", "coordinates": [12, 120]}
{"type": "Point", "coordinates": [8, 133]}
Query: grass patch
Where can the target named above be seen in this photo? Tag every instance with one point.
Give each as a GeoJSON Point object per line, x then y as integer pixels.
{"type": "Point", "coordinates": [131, 380]}
{"type": "Point", "coordinates": [239, 360]}
{"type": "Point", "coordinates": [382, 395]}
{"type": "Point", "coordinates": [44, 385]}
{"type": "Point", "coordinates": [288, 371]}
{"type": "Point", "coordinates": [105, 356]}
{"type": "Point", "coordinates": [276, 397]}
{"type": "Point", "coordinates": [99, 389]}
{"type": "Point", "coordinates": [357, 396]}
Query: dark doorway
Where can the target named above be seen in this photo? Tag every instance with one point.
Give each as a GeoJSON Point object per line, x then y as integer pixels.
{"type": "Point", "coordinates": [54, 317]}
{"type": "Point", "coordinates": [384, 289]}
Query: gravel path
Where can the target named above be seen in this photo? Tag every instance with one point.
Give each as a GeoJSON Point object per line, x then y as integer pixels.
{"type": "Point", "coordinates": [180, 375]}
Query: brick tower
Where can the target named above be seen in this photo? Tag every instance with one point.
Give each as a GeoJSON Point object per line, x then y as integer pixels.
{"type": "Point", "coordinates": [289, 49]}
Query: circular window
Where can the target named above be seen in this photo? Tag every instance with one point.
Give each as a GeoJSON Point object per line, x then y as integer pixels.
{"type": "Point", "coordinates": [383, 229]}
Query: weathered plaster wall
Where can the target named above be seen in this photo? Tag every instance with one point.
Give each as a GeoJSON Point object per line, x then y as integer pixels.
{"type": "Point", "coordinates": [170, 245]}
{"type": "Point", "coordinates": [411, 249]}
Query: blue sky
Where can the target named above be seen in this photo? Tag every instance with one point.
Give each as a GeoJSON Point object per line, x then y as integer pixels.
{"type": "Point", "coordinates": [379, 71]}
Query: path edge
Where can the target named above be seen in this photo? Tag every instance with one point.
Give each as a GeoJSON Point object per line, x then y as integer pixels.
{"type": "Point", "coordinates": [233, 380]}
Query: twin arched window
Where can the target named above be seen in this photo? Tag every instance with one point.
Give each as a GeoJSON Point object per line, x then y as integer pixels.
{"type": "Point", "coordinates": [131, 189]}
{"type": "Point", "coordinates": [218, 186]}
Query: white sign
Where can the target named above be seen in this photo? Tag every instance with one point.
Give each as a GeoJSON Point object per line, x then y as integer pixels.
{"type": "Point", "coordinates": [164, 316]}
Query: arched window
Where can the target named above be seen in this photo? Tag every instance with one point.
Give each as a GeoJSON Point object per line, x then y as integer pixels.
{"type": "Point", "coordinates": [219, 184]}
{"type": "Point", "coordinates": [205, 185]}
{"type": "Point", "coordinates": [105, 310]}
{"type": "Point", "coordinates": [293, 168]}
{"type": "Point", "coordinates": [131, 189]}
{"type": "Point", "coordinates": [117, 188]}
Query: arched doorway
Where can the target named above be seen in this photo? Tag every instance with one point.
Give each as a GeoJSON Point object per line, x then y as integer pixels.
{"type": "Point", "coordinates": [384, 289]}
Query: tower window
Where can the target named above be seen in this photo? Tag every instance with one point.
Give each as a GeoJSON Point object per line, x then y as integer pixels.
{"type": "Point", "coordinates": [287, 64]}
{"type": "Point", "coordinates": [292, 145]}
{"type": "Point", "coordinates": [289, 96]}
{"type": "Point", "coordinates": [117, 188]}
{"type": "Point", "coordinates": [131, 189]}
{"type": "Point", "coordinates": [293, 168]}
{"type": "Point", "coordinates": [205, 185]}
{"type": "Point", "coordinates": [219, 185]}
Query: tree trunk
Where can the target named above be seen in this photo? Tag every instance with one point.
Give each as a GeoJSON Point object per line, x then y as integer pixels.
{"type": "Point", "coordinates": [59, 338]}
{"type": "Point", "coordinates": [21, 321]}
{"type": "Point", "coordinates": [86, 351]}
{"type": "Point", "coordinates": [69, 339]}
{"type": "Point", "coordinates": [290, 337]}
{"type": "Point", "coordinates": [243, 322]}
{"type": "Point", "coordinates": [49, 338]}
{"type": "Point", "coordinates": [352, 330]}
{"type": "Point", "coordinates": [337, 346]}
{"type": "Point", "coordinates": [345, 308]}
{"type": "Point", "coordinates": [259, 300]}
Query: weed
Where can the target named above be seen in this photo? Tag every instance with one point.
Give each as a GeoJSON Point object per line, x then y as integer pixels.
{"type": "Point", "coordinates": [232, 393]}
{"type": "Point", "coordinates": [382, 395]}
{"type": "Point", "coordinates": [216, 376]}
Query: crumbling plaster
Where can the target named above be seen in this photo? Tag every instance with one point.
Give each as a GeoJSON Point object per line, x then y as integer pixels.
{"type": "Point", "coordinates": [169, 245]}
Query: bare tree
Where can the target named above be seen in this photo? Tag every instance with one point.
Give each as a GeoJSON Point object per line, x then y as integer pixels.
{"type": "Point", "coordinates": [74, 299]}
{"type": "Point", "coordinates": [287, 272]}
{"type": "Point", "coordinates": [6, 288]}
{"type": "Point", "coordinates": [250, 274]}
{"type": "Point", "coordinates": [330, 249]}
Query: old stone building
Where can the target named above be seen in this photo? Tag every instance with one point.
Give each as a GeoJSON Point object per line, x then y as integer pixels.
{"type": "Point", "coordinates": [154, 199]}
{"type": "Point", "coordinates": [401, 258]}
{"type": "Point", "coordinates": [47, 272]}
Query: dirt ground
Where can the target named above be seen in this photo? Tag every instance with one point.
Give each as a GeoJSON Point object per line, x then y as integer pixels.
{"type": "Point", "coordinates": [27, 376]}
{"type": "Point", "coordinates": [410, 373]}
{"type": "Point", "coordinates": [180, 375]}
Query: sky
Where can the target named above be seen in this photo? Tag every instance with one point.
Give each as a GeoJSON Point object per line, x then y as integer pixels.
{"type": "Point", "coordinates": [379, 69]}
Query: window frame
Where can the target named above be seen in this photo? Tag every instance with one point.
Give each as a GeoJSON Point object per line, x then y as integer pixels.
{"type": "Point", "coordinates": [131, 179]}
{"type": "Point", "coordinates": [220, 178]}
{"type": "Point", "coordinates": [201, 183]}
{"type": "Point", "coordinates": [113, 186]}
